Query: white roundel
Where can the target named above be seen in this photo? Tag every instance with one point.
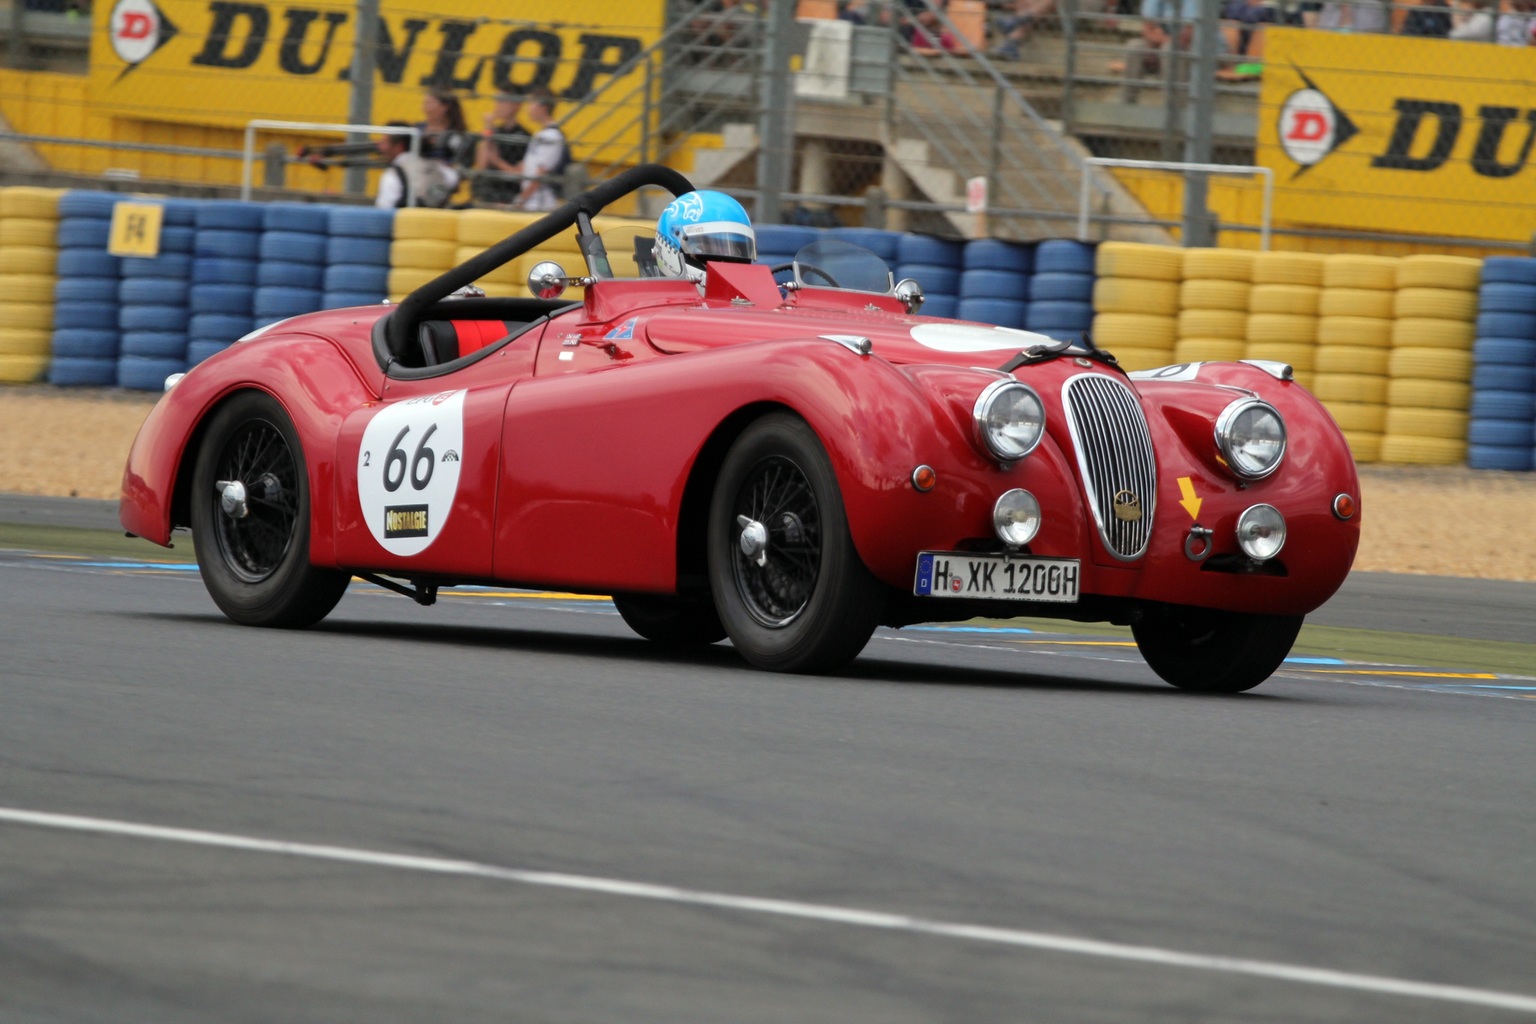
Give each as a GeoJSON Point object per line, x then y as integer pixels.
{"type": "Point", "coordinates": [1308, 126]}
{"type": "Point", "coordinates": [973, 338]}
{"type": "Point", "coordinates": [135, 30]}
{"type": "Point", "coordinates": [408, 470]}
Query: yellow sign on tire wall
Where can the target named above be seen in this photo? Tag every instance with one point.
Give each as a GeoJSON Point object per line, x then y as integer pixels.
{"type": "Point", "coordinates": [1385, 133]}
{"type": "Point", "coordinates": [225, 62]}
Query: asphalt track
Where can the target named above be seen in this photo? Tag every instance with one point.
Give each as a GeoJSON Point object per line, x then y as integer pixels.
{"type": "Point", "coordinates": [507, 807]}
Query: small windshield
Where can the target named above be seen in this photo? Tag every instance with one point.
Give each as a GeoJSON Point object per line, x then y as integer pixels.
{"type": "Point", "coordinates": [833, 263]}
{"type": "Point", "coordinates": [628, 247]}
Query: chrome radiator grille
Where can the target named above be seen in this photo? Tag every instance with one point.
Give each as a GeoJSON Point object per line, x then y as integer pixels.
{"type": "Point", "coordinates": [1114, 453]}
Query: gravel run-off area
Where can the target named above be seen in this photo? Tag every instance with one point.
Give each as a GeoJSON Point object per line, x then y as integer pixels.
{"type": "Point", "coordinates": [1444, 521]}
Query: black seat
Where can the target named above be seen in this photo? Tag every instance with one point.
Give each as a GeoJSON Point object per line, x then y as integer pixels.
{"type": "Point", "coordinates": [439, 342]}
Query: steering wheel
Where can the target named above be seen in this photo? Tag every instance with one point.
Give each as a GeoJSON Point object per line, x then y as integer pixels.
{"type": "Point", "coordinates": [806, 268]}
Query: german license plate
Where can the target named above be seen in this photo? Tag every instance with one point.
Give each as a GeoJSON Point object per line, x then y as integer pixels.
{"type": "Point", "coordinates": [998, 577]}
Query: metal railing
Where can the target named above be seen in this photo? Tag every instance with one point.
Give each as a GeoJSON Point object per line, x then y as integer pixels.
{"type": "Point", "coordinates": [1085, 191]}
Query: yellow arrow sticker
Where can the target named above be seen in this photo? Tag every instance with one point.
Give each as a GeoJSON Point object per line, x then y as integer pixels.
{"type": "Point", "coordinates": [1190, 502]}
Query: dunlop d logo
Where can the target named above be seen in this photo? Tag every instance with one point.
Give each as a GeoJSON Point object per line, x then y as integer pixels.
{"type": "Point", "coordinates": [1127, 507]}
{"type": "Point", "coordinates": [405, 521]}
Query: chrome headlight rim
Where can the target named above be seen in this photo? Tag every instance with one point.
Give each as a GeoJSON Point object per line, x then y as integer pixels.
{"type": "Point", "coordinates": [1224, 442]}
{"type": "Point", "coordinates": [1277, 525]}
{"type": "Point", "coordinates": [986, 439]}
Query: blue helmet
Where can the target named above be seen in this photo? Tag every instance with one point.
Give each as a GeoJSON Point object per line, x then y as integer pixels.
{"type": "Point", "coordinates": [700, 226]}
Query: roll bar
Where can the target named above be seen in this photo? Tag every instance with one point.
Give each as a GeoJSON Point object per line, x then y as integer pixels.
{"type": "Point", "coordinates": [591, 202]}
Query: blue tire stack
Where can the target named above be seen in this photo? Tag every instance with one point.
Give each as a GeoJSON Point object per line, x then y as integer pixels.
{"type": "Point", "coordinates": [85, 333]}
{"type": "Point", "coordinates": [290, 278]}
{"type": "Point", "coordinates": [227, 247]}
{"type": "Point", "coordinates": [935, 264]}
{"type": "Point", "coordinates": [994, 286]}
{"type": "Point", "coordinates": [1061, 290]}
{"type": "Point", "coordinates": [1502, 431]}
{"type": "Point", "coordinates": [357, 256]}
{"type": "Point", "coordinates": [153, 296]}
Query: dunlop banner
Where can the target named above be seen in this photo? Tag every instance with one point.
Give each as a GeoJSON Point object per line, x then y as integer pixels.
{"type": "Point", "coordinates": [1385, 133]}
{"type": "Point", "coordinates": [225, 62]}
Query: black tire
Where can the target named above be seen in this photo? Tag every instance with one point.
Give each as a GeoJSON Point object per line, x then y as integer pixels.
{"type": "Point", "coordinates": [675, 621]}
{"type": "Point", "coordinates": [812, 605]}
{"type": "Point", "coordinates": [256, 568]}
{"type": "Point", "coordinates": [1212, 651]}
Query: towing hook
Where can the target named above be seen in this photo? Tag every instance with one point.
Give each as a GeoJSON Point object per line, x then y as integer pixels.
{"type": "Point", "coordinates": [1197, 546]}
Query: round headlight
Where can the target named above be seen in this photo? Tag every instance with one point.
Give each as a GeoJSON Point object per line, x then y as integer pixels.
{"type": "Point", "coordinates": [1251, 437]}
{"type": "Point", "coordinates": [1016, 517]}
{"type": "Point", "coordinates": [1010, 420]}
{"type": "Point", "coordinates": [1261, 532]}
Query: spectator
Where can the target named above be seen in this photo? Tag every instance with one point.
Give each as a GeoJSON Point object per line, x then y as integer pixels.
{"type": "Point", "coordinates": [444, 134]}
{"type": "Point", "coordinates": [1167, 26]}
{"type": "Point", "coordinates": [1017, 27]}
{"type": "Point", "coordinates": [1354, 16]}
{"type": "Point", "coordinates": [930, 37]}
{"type": "Point", "coordinates": [1431, 19]}
{"type": "Point", "coordinates": [1513, 27]}
{"type": "Point", "coordinates": [854, 11]}
{"type": "Point", "coordinates": [1249, 15]}
{"type": "Point", "coordinates": [409, 178]}
{"type": "Point", "coordinates": [1471, 21]}
{"type": "Point", "coordinates": [502, 146]}
{"type": "Point", "coordinates": [546, 157]}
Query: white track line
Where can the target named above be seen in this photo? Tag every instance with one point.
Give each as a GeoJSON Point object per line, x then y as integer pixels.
{"type": "Point", "coordinates": [788, 908]}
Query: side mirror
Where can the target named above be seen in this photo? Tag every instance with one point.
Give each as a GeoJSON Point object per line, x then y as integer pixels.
{"type": "Point", "coordinates": [547, 280]}
{"type": "Point", "coordinates": [910, 293]}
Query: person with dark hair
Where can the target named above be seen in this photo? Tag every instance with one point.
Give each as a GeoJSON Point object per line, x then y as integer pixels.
{"type": "Point", "coordinates": [546, 157]}
{"type": "Point", "coordinates": [444, 135]}
{"type": "Point", "coordinates": [503, 144]}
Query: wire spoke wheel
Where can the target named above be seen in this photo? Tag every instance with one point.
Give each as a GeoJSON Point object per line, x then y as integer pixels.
{"type": "Point", "coordinates": [788, 583]}
{"type": "Point", "coordinates": [254, 541]}
{"type": "Point", "coordinates": [251, 517]}
{"type": "Point", "coordinates": [777, 581]}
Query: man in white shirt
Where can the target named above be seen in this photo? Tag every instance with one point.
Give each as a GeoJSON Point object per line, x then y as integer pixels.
{"type": "Point", "coordinates": [546, 155]}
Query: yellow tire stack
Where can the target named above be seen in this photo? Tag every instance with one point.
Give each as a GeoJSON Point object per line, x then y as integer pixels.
{"type": "Point", "coordinates": [1431, 362]}
{"type": "Point", "coordinates": [1287, 289]}
{"type": "Point", "coordinates": [426, 243]}
{"type": "Point", "coordinates": [1213, 305]}
{"type": "Point", "coordinates": [1282, 315]}
{"type": "Point", "coordinates": [481, 229]}
{"type": "Point", "coordinates": [1136, 302]}
{"type": "Point", "coordinates": [1354, 336]}
{"type": "Point", "coordinates": [29, 220]}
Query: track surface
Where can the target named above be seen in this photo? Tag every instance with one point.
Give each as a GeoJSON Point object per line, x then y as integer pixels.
{"type": "Point", "coordinates": [1372, 826]}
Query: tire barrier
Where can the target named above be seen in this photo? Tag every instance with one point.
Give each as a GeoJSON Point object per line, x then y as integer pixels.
{"type": "Point", "coordinates": [29, 219]}
{"type": "Point", "coordinates": [1354, 338]}
{"type": "Point", "coordinates": [1213, 297]}
{"type": "Point", "coordinates": [1427, 359]}
{"type": "Point", "coordinates": [1501, 430]}
{"type": "Point", "coordinates": [1136, 302]}
{"type": "Point", "coordinates": [291, 270]}
{"type": "Point", "coordinates": [1061, 290]}
{"type": "Point", "coordinates": [357, 253]}
{"type": "Point", "coordinates": [1435, 308]}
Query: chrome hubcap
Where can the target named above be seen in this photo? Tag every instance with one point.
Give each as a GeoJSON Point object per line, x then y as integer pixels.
{"type": "Point", "coordinates": [754, 540]}
{"type": "Point", "coordinates": [232, 499]}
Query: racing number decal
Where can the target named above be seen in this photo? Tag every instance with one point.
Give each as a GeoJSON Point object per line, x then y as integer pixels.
{"type": "Point", "coordinates": [408, 470]}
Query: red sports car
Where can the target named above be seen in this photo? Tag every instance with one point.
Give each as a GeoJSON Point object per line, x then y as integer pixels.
{"type": "Point", "coordinates": [786, 462]}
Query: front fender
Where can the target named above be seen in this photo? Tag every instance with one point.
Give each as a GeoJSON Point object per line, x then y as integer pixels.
{"type": "Point", "coordinates": [307, 375]}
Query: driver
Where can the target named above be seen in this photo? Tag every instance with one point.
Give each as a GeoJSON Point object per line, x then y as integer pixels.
{"type": "Point", "coordinates": [697, 227]}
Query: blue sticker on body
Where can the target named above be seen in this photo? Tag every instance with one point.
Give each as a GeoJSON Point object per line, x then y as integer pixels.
{"type": "Point", "coordinates": [624, 332]}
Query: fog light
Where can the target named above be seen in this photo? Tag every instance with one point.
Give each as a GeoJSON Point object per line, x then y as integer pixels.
{"type": "Point", "coordinates": [1016, 517]}
{"type": "Point", "coordinates": [1261, 532]}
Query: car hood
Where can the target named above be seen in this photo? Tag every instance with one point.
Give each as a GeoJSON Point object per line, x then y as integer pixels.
{"type": "Point", "coordinates": [894, 337]}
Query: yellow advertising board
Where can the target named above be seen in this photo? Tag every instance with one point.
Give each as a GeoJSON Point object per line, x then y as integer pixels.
{"type": "Point", "coordinates": [1387, 133]}
{"type": "Point", "coordinates": [226, 62]}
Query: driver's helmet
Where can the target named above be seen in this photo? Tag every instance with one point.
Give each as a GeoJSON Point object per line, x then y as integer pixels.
{"type": "Point", "coordinates": [700, 226]}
